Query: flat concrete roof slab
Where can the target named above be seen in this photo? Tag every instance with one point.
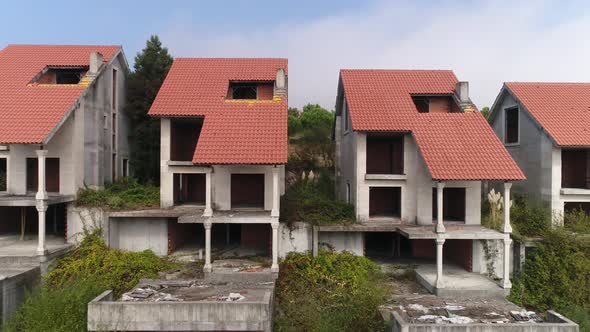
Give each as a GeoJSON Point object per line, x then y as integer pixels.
{"type": "Point", "coordinates": [458, 282]}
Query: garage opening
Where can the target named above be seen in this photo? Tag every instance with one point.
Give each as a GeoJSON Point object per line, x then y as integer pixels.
{"type": "Point", "coordinates": [380, 244]}
{"type": "Point", "coordinates": [247, 191]}
{"type": "Point", "coordinates": [385, 154]}
{"type": "Point", "coordinates": [189, 189]}
{"type": "Point", "coordinates": [385, 202]}
{"type": "Point", "coordinates": [184, 135]}
{"type": "Point", "coordinates": [453, 204]}
{"type": "Point", "coordinates": [51, 174]}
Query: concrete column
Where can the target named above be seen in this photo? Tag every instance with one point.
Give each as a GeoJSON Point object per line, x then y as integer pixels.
{"type": "Point", "coordinates": [41, 201]}
{"type": "Point", "coordinates": [440, 227]}
{"type": "Point", "coordinates": [207, 267]}
{"type": "Point", "coordinates": [438, 283]}
{"type": "Point", "coordinates": [315, 241]}
{"type": "Point", "coordinates": [275, 192]}
{"type": "Point", "coordinates": [275, 247]}
{"type": "Point", "coordinates": [41, 209]}
{"type": "Point", "coordinates": [507, 228]}
{"type": "Point", "coordinates": [506, 284]}
{"type": "Point", "coordinates": [208, 209]}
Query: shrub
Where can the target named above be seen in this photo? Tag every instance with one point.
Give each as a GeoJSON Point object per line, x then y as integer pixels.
{"type": "Point", "coordinates": [309, 201]}
{"type": "Point", "coordinates": [529, 218]}
{"type": "Point", "coordinates": [557, 276]}
{"type": "Point", "coordinates": [330, 292]}
{"type": "Point", "coordinates": [577, 221]}
{"type": "Point", "coordinates": [123, 194]}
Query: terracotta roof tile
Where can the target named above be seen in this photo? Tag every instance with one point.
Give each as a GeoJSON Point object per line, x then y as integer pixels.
{"type": "Point", "coordinates": [455, 146]}
{"type": "Point", "coordinates": [234, 132]}
{"type": "Point", "coordinates": [29, 113]}
{"type": "Point", "coordinates": [563, 109]}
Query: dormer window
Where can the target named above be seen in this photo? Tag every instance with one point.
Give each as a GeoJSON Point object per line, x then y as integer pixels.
{"type": "Point", "coordinates": [250, 91]}
{"type": "Point", "coordinates": [60, 75]}
{"type": "Point", "coordinates": [435, 104]}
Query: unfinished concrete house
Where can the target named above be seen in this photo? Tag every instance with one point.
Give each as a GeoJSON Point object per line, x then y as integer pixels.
{"type": "Point", "coordinates": [545, 127]}
{"type": "Point", "coordinates": [62, 128]}
{"type": "Point", "coordinates": [223, 150]}
{"type": "Point", "coordinates": [411, 153]}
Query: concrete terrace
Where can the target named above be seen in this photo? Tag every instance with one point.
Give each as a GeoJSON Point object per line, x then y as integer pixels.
{"type": "Point", "coordinates": [458, 282]}
{"type": "Point", "coordinates": [12, 249]}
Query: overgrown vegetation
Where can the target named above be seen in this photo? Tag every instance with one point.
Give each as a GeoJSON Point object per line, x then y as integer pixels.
{"type": "Point", "coordinates": [123, 194]}
{"type": "Point", "coordinates": [577, 221]}
{"type": "Point", "coordinates": [150, 69]}
{"type": "Point", "coordinates": [312, 201]}
{"type": "Point", "coordinates": [331, 292]}
{"type": "Point", "coordinates": [557, 276]}
{"type": "Point", "coordinates": [60, 304]}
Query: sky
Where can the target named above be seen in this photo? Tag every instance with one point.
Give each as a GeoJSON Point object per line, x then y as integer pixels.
{"type": "Point", "coordinates": [483, 42]}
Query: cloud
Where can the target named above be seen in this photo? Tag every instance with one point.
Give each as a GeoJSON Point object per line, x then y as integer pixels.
{"type": "Point", "coordinates": [484, 43]}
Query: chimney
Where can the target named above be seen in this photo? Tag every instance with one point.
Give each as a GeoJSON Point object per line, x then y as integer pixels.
{"type": "Point", "coordinates": [96, 60]}
{"type": "Point", "coordinates": [280, 84]}
{"type": "Point", "coordinates": [462, 92]}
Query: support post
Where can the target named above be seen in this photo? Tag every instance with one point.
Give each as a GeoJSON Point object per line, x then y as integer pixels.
{"type": "Point", "coordinates": [275, 192]}
{"type": "Point", "coordinates": [506, 284]}
{"type": "Point", "coordinates": [440, 241]}
{"type": "Point", "coordinates": [440, 227]}
{"type": "Point", "coordinates": [41, 203]}
{"type": "Point", "coordinates": [315, 238]}
{"type": "Point", "coordinates": [208, 209]}
{"type": "Point", "coordinates": [506, 228]}
{"type": "Point", "coordinates": [207, 266]}
{"type": "Point", "coordinates": [275, 247]}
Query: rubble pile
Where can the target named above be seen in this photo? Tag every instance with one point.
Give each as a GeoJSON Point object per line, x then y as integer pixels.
{"type": "Point", "coordinates": [172, 291]}
{"type": "Point", "coordinates": [458, 314]}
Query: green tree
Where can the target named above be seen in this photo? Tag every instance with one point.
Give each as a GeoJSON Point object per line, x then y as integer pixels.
{"type": "Point", "coordinates": [150, 69]}
{"type": "Point", "coordinates": [485, 112]}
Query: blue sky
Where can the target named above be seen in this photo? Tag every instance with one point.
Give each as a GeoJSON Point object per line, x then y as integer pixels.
{"type": "Point", "coordinates": [484, 42]}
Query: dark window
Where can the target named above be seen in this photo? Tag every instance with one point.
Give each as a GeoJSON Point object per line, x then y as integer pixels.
{"type": "Point", "coordinates": [189, 188]}
{"type": "Point", "coordinates": [183, 139]}
{"type": "Point", "coordinates": [453, 204]}
{"type": "Point", "coordinates": [385, 154]}
{"type": "Point", "coordinates": [247, 190]}
{"type": "Point", "coordinates": [51, 174]}
{"type": "Point", "coordinates": [511, 125]}
{"type": "Point", "coordinates": [125, 167]}
{"type": "Point", "coordinates": [3, 174]}
{"type": "Point", "coordinates": [574, 168]}
{"type": "Point", "coordinates": [244, 91]}
{"type": "Point", "coordinates": [58, 75]}
{"type": "Point", "coordinates": [576, 206]}
{"type": "Point", "coordinates": [114, 93]}
{"type": "Point", "coordinates": [422, 104]}
{"type": "Point", "coordinates": [385, 202]}
{"type": "Point", "coordinates": [114, 167]}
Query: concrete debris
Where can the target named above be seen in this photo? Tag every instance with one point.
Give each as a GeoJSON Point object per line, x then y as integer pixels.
{"type": "Point", "coordinates": [442, 319]}
{"type": "Point", "coordinates": [452, 307]}
{"type": "Point", "coordinates": [525, 316]}
{"type": "Point", "coordinates": [418, 307]}
{"type": "Point", "coordinates": [233, 297]}
{"type": "Point", "coordinates": [256, 268]}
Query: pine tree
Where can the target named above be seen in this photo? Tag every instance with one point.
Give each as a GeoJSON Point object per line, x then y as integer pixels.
{"type": "Point", "coordinates": [150, 69]}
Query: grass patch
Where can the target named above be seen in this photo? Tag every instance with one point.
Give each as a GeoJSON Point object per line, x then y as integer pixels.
{"type": "Point", "coordinates": [330, 292]}
{"type": "Point", "coordinates": [123, 194]}
{"type": "Point", "coordinates": [60, 303]}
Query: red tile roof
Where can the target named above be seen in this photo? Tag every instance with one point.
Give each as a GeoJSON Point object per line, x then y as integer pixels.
{"type": "Point", "coordinates": [29, 113]}
{"type": "Point", "coordinates": [562, 109]}
{"type": "Point", "coordinates": [234, 132]}
{"type": "Point", "coordinates": [455, 146]}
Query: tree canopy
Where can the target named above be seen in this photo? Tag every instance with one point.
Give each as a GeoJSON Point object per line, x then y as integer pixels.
{"type": "Point", "coordinates": [150, 70]}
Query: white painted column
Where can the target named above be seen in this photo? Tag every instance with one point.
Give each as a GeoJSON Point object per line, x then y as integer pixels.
{"type": "Point", "coordinates": [315, 240]}
{"type": "Point", "coordinates": [275, 247]}
{"type": "Point", "coordinates": [275, 192]}
{"type": "Point", "coordinates": [506, 284]}
{"type": "Point", "coordinates": [41, 198]}
{"type": "Point", "coordinates": [506, 228]}
{"type": "Point", "coordinates": [440, 241]}
{"type": "Point", "coordinates": [208, 209]}
{"type": "Point", "coordinates": [440, 227]}
{"type": "Point", "coordinates": [207, 267]}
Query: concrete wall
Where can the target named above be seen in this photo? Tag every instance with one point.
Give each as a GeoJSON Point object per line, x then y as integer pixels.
{"type": "Point", "coordinates": [139, 234]}
{"type": "Point", "coordinates": [81, 218]}
{"type": "Point", "coordinates": [345, 158]}
{"type": "Point", "coordinates": [535, 153]}
{"type": "Point", "coordinates": [496, 260]}
{"type": "Point", "coordinates": [221, 176]}
{"type": "Point", "coordinates": [82, 142]}
{"type": "Point", "coordinates": [343, 241]}
{"type": "Point", "coordinates": [298, 238]}
{"type": "Point", "coordinates": [13, 287]}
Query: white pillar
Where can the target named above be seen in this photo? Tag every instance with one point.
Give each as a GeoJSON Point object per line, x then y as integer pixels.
{"type": "Point", "coordinates": [438, 283]}
{"type": "Point", "coordinates": [275, 247]}
{"type": "Point", "coordinates": [207, 267]}
{"type": "Point", "coordinates": [440, 227]}
{"type": "Point", "coordinates": [315, 240]}
{"type": "Point", "coordinates": [506, 227]}
{"type": "Point", "coordinates": [506, 284]}
{"type": "Point", "coordinates": [275, 192]}
{"type": "Point", "coordinates": [208, 209]}
{"type": "Point", "coordinates": [41, 201]}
